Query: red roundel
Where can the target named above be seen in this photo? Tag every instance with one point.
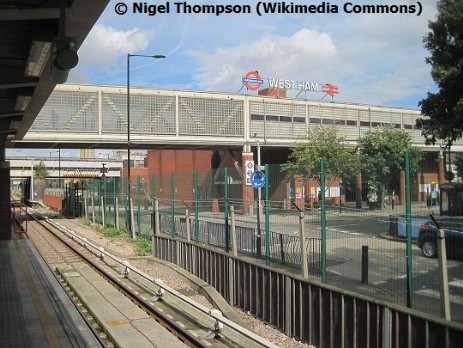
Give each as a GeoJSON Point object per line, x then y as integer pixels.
{"type": "Point", "coordinates": [252, 80]}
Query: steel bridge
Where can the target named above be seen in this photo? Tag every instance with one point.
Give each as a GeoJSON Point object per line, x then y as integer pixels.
{"type": "Point", "coordinates": [94, 116]}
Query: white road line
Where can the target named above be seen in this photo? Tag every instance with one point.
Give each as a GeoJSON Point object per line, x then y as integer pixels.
{"type": "Point", "coordinates": [435, 294]}
{"type": "Point", "coordinates": [457, 282]}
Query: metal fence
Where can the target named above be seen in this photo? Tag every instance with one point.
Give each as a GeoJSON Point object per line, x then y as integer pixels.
{"type": "Point", "coordinates": [359, 249]}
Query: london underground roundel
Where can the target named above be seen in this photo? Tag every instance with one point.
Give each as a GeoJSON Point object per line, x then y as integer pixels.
{"type": "Point", "coordinates": [252, 80]}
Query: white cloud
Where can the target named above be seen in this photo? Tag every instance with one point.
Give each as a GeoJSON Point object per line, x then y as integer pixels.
{"type": "Point", "coordinates": [104, 44]}
{"type": "Point", "coordinates": [301, 55]}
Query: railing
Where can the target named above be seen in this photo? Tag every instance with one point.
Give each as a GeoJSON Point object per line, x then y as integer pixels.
{"type": "Point", "coordinates": [284, 249]}
{"type": "Point", "coordinates": [319, 314]}
{"type": "Point", "coordinates": [18, 216]}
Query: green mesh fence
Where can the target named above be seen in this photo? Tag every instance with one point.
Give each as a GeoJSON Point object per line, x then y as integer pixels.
{"type": "Point", "coordinates": [366, 249]}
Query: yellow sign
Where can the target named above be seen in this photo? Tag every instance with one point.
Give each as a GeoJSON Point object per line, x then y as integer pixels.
{"type": "Point", "coordinates": [115, 322]}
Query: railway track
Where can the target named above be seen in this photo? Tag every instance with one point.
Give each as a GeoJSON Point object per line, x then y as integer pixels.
{"type": "Point", "coordinates": [181, 320]}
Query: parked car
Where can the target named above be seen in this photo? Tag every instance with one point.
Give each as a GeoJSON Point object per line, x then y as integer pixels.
{"type": "Point", "coordinates": [427, 241]}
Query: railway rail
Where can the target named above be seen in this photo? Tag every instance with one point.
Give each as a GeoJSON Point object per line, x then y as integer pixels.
{"type": "Point", "coordinates": [181, 320]}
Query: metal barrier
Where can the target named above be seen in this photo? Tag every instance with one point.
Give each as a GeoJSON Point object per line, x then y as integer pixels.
{"type": "Point", "coordinates": [316, 313]}
{"type": "Point", "coordinates": [19, 215]}
{"type": "Point", "coordinates": [284, 249]}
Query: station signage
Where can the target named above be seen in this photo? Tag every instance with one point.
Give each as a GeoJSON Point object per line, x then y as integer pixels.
{"type": "Point", "coordinates": [253, 81]}
{"type": "Point", "coordinates": [249, 170]}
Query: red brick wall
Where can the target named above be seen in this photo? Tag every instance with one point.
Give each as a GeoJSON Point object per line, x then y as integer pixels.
{"type": "Point", "coordinates": [182, 163]}
{"type": "Point", "coordinates": [55, 202]}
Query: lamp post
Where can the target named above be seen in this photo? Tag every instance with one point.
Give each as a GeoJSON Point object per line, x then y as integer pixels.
{"type": "Point", "coordinates": [156, 56]}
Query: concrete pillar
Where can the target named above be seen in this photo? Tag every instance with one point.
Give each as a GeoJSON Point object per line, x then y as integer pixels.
{"type": "Point", "coordinates": [358, 191]}
{"type": "Point", "coordinates": [5, 210]}
{"type": "Point", "coordinates": [248, 190]}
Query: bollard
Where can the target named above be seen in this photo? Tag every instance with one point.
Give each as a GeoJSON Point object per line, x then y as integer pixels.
{"type": "Point", "coordinates": [364, 264]}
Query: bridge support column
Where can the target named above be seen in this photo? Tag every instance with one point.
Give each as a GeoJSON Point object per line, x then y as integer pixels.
{"type": "Point", "coordinates": [440, 173]}
{"type": "Point", "coordinates": [248, 190]}
{"type": "Point", "coordinates": [5, 211]}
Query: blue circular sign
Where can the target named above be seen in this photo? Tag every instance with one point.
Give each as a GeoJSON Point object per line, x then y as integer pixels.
{"type": "Point", "coordinates": [258, 179]}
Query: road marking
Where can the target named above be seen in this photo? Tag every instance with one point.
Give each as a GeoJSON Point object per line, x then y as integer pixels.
{"type": "Point", "coordinates": [435, 294]}
{"type": "Point", "coordinates": [457, 282]}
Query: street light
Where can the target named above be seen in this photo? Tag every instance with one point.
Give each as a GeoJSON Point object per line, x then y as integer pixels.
{"type": "Point", "coordinates": [156, 56]}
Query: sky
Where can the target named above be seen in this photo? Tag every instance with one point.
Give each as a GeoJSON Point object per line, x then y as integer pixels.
{"type": "Point", "coordinates": [372, 58]}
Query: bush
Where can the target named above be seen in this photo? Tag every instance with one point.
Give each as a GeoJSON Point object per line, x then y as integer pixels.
{"type": "Point", "coordinates": [143, 247]}
{"type": "Point", "coordinates": [113, 232]}
{"type": "Point", "coordinates": [86, 222]}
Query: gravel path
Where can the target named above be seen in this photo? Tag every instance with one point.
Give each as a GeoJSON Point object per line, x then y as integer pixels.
{"type": "Point", "coordinates": [123, 247]}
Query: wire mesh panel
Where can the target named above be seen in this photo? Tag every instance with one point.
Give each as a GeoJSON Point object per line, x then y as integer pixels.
{"type": "Point", "coordinates": [205, 116]}
{"type": "Point", "coordinates": [149, 114]}
{"type": "Point", "coordinates": [67, 111]}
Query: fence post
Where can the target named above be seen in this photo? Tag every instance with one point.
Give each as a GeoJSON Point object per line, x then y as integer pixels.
{"type": "Point", "coordinates": [102, 213]}
{"type": "Point", "coordinates": [138, 207]}
{"type": "Point", "coordinates": [172, 201]}
{"type": "Point", "coordinates": [305, 268]}
{"type": "Point", "coordinates": [267, 217]}
{"type": "Point", "coordinates": [227, 234]}
{"type": "Point", "coordinates": [153, 199]}
{"type": "Point", "coordinates": [233, 231]}
{"type": "Point", "coordinates": [408, 229]}
{"type": "Point", "coordinates": [103, 216]}
{"type": "Point", "coordinates": [323, 219]}
{"type": "Point", "coordinates": [92, 199]}
{"type": "Point", "coordinates": [157, 229]}
{"type": "Point", "coordinates": [116, 209]}
{"type": "Point", "coordinates": [132, 220]}
{"type": "Point", "coordinates": [195, 179]}
{"type": "Point", "coordinates": [187, 222]}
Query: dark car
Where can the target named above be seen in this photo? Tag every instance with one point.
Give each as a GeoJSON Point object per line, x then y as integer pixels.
{"type": "Point", "coordinates": [427, 241]}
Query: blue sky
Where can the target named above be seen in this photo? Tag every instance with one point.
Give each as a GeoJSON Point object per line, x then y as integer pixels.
{"type": "Point", "coordinates": [373, 58]}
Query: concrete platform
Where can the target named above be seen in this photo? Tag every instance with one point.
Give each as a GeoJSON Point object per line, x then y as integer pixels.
{"type": "Point", "coordinates": [34, 309]}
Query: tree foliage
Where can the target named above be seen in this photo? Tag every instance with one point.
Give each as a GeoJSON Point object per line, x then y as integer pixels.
{"type": "Point", "coordinates": [40, 170]}
{"type": "Point", "coordinates": [444, 109]}
{"type": "Point", "coordinates": [382, 153]}
{"type": "Point", "coordinates": [323, 143]}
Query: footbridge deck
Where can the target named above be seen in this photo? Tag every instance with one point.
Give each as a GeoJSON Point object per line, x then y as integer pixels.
{"type": "Point", "coordinates": [85, 116]}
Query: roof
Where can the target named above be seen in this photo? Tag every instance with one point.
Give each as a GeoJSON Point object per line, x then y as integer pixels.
{"type": "Point", "coordinates": [39, 42]}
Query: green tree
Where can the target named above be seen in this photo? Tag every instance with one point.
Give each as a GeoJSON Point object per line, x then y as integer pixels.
{"type": "Point", "coordinates": [444, 109]}
{"type": "Point", "coordinates": [323, 143]}
{"type": "Point", "coordinates": [382, 153]}
{"type": "Point", "coordinates": [40, 170]}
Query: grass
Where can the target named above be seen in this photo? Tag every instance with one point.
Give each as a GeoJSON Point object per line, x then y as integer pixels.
{"type": "Point", "coordinates": [143, 247]}
{"type": "Point", "coordinates": [113, 232]}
